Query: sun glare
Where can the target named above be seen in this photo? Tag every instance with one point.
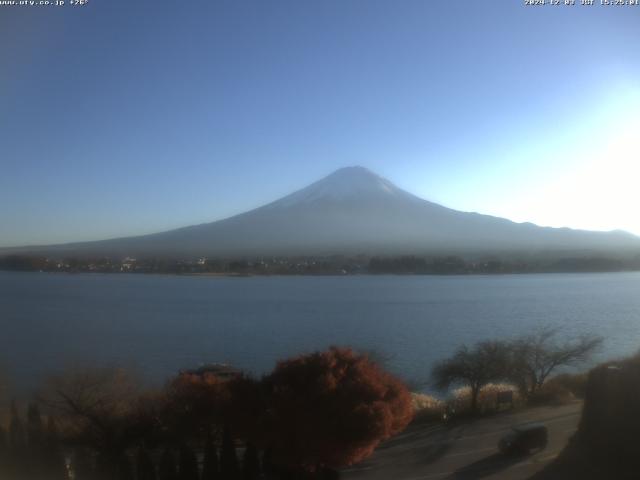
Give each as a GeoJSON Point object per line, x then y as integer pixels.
{"type": "Point", "coordinates": [600, 191]}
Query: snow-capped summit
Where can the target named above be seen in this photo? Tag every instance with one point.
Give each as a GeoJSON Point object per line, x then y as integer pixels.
{"type": "Point", "coordinates": [348, 182]}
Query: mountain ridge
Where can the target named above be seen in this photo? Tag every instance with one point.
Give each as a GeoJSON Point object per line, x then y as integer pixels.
{"type": "Point", "coordinates": [352, 210]}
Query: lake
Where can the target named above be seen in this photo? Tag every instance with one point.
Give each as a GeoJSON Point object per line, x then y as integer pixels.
{"type": "Point", "coordinates": [160, 324]}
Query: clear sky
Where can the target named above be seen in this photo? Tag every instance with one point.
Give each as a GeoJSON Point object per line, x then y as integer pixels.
{"type": "Point", "coordinates": [125, 117]}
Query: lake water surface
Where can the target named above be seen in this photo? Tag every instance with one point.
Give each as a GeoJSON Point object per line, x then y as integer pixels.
{"type": "Point", "coordinates": [160, 324]}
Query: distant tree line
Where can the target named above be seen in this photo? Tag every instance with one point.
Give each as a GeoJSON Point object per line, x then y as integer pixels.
{"type": "Point", "coordinates": [324, 265]}
{"type": "Point", "coordinates": [454, 265]}
{"type": "Point", "coordinates": [332, 265]}
{"type": "Point", "coordinates": [311, 416]}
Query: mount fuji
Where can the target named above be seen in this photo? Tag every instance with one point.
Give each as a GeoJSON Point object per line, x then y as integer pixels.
{"type": "Point", "coordinates": [353, 211]}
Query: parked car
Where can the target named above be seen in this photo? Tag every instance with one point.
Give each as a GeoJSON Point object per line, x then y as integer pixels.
{"type": "Point", "coordinates": [524, 438]}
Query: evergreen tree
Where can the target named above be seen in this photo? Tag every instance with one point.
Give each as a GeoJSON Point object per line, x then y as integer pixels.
{"type": "Point", "coordinates": [228, 458]}
{"type": "Point", "coordinates": [105, 467]}
{"type": "Point", "coordinates": [250, 463]}
{"type": "Point", "coordinates": [35, 428]}
{"type": "Point", "coordinates": [82, 465]}
{"type": "Point", "coordinates": [17, 445]}
{"type": "Point", "coordinates": [268, 467]}
{"type": "Point", "coordinates": [54, 462]}
{"type": "Point", "coordinates": [144, 466]}
{"type": "Point", "coordinates": [125, 469]}
{"type": "Point", "coordinates": [188, 464]}
{"type": "Point", "coordinates": [17, 438]}
{"type": "Point", "coordinates": [35, 441]}
{"type": "Point", "coordinates": [4, 454]}
{"type": "Point", "coordinates": [210, 468]}
{"type": "Point", "coordinates": [167, 468]}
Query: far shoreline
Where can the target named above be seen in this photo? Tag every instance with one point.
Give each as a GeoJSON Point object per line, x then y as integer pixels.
{"type": "Point", "coordinates": [332, 275]}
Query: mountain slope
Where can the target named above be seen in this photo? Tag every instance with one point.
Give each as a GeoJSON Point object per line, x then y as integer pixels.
{"type": "Point", "coordinates": [353, 211]}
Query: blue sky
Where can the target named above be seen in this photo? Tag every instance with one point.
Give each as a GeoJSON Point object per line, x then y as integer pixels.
{"type": "Point", "coordinates": [121, 118]}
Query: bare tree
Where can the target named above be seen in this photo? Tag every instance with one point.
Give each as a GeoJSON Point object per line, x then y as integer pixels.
{"type": "Point", "coordinates": [534, 357]}
{"type": "Point", "coordinates": [99, 409]}
{"type": "Point", "coordinates": [473, 367]}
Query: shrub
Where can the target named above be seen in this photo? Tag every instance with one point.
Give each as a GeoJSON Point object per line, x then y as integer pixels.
{"type": "Point", "coordinates": [561, 389]}
{"type": "Point", "coordinates": [195, 404]}
{"type": "Point", "coordinates": [574, 383]}
{"type": "Point", "coordinates": [461, 399]}
{"type": "Point", "coordinates": [332, 409]}
{"type": "Point", "coordinates": [551, 393]}
{"type": "Point", "coordinates": [426, 407]}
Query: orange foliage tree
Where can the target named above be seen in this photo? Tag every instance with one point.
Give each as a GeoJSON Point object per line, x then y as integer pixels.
{"type": "Point", "coordinates": [331, 409]}
{"type": "Point", "coordinates": [195, 405]}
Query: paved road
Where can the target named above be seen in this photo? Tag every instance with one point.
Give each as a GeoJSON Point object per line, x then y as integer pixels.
{"type": "Point", "coordinates": [467, 451]}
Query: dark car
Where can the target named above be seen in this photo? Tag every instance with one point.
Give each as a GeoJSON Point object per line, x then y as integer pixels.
{"type": "Point", "coordinates": [524, 438]}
